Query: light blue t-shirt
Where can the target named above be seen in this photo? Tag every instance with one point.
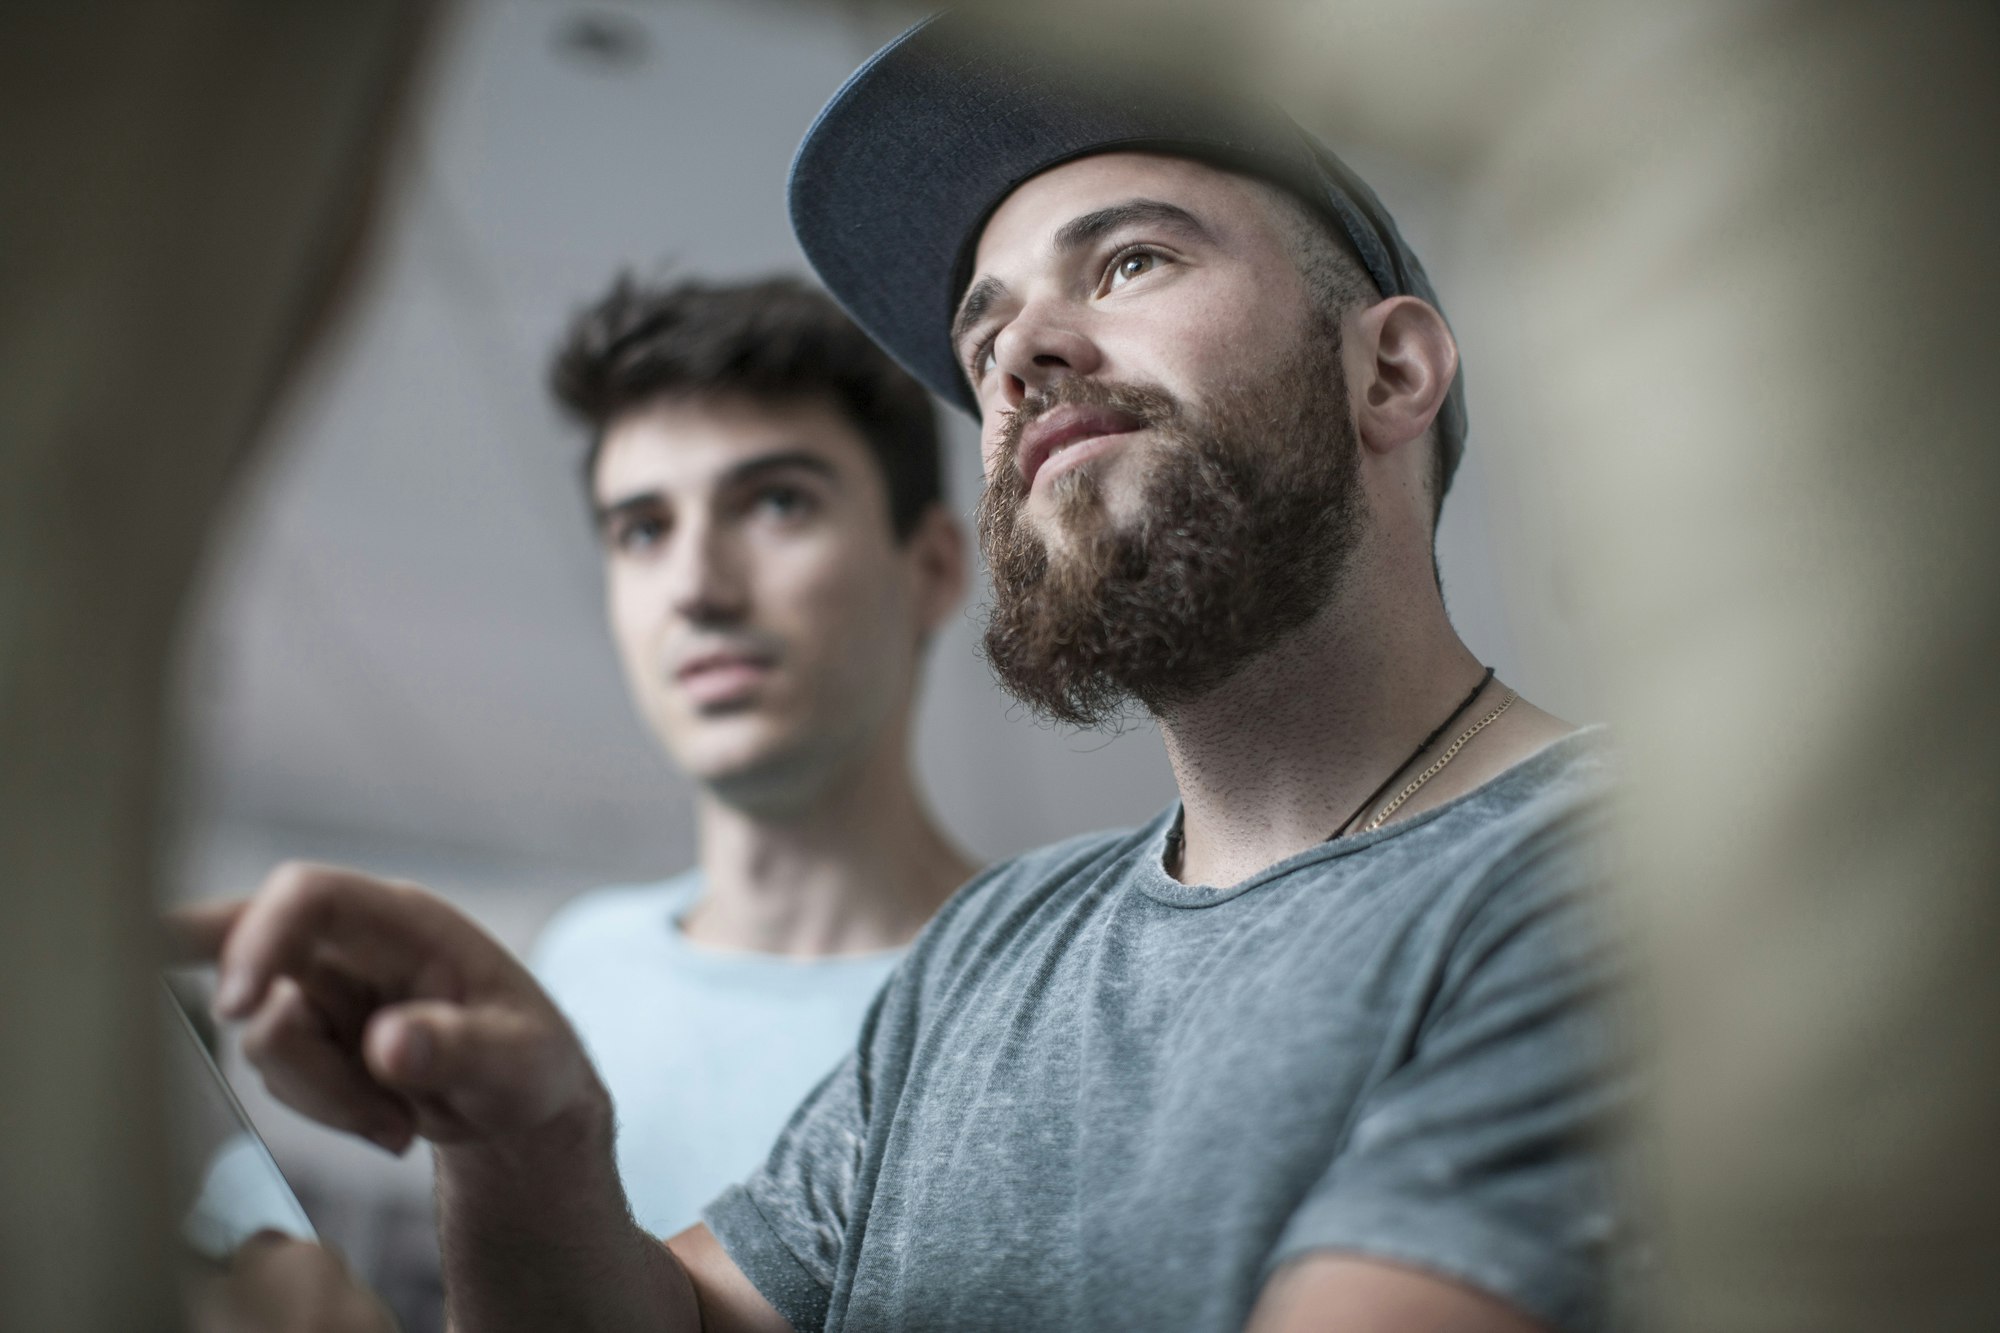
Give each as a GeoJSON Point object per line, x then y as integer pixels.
{"type": "Point", "coordinates": [706, 1052]}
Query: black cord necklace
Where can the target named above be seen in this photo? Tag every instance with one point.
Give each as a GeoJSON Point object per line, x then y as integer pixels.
{"type": "Point", "coordinates": [1428, 741]}
{"type": "Point", "coordinates": [1175, 834]}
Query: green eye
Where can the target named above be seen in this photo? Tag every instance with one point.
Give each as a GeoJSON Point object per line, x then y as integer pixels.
{"type": "Point", "coordinates": [1132, 264]}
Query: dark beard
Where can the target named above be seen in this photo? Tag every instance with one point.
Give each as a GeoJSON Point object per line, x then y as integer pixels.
{"type": "Point", "coordinates": [1247, 520]}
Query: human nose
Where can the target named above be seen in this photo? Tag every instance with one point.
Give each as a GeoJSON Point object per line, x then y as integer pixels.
{"type": "Point", "coordinates": [704, 578]}
{"type": "Point", "coordinates": [1039, 346]}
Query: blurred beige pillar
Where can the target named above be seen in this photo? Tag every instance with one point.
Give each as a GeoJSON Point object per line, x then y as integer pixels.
{"type": "Point", "coordinates": [1754, 252]}
{"type": "Point", "coordinates": [181, 186]}
{"type": "Point", "coordinates": [1759, 248]}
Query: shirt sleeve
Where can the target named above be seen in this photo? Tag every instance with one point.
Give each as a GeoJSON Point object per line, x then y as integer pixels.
{"type": "Point", "coordinates": [786, 1226]}
{"type": "Point", "coordinates": [1484, 1156]}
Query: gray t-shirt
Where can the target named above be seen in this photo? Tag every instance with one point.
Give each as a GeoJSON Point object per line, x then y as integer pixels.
{"type": "Point", "coordinates": [1095, 1098]}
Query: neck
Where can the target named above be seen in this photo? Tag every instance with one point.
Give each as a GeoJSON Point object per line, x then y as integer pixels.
{"type": "Point", "coordinates": [1273, 760]}
{"type": "Point", "coordinates": [857, 868]}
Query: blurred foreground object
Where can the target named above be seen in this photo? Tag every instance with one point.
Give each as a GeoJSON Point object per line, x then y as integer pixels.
{"type": "Point", "coordinates": [1761, 288]}
{"type": "Point", "coordinates": [185, 185]}
{"type": "Point", "coordinates": [1753, 252]}
{"type": "Point", "coordinates": [280, 1284]}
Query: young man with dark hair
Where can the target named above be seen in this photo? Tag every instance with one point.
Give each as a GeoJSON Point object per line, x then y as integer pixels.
{"type": "Point", "coordinates": [1321, 1048]}
{"type": "Point", "coordinates": [777, 341]}
{"type": "Point", "coordinates": [777, 553]}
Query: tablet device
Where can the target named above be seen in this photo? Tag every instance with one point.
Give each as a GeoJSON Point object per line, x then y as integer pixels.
{"type": "Point", "coordinates": [227, 1187]}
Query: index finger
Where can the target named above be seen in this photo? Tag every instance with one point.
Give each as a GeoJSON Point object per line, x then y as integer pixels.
{"type": "Point", "coordinates": [195, 934]}
{"type": "Point", "coordinates": [385, 933]}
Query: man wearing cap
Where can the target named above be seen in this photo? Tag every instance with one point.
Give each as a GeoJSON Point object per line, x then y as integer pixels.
{"type": "Point", "coordinates": [1323, 1046]}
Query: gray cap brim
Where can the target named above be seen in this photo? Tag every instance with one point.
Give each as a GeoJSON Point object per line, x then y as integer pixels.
{"type": "Point", "coordinates": [900, 171]}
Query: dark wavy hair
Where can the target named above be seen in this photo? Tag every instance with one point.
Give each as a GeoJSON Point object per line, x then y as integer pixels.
{"type": "Point", "coordinates": [777, 340]}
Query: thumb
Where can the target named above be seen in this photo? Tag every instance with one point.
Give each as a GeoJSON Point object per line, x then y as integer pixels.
{"type": "Point", "coordinates": [497, 1067]}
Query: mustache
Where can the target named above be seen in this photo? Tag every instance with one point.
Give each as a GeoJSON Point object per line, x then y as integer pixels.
{"type": "Point", "coordinates": [1152, 405]}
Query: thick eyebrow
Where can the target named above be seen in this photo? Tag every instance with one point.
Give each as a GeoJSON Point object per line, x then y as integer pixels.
{"type": "Point", "coordinates": [974, 307]}
{"type": "Point", "coordinates": [1082, 231]}
{"type": "Point", "coordinates": [778, 461]}
{"type": "Point", "coordinates": [1075, 235]}
{"type": "Point", "coordinates": [749, 469]}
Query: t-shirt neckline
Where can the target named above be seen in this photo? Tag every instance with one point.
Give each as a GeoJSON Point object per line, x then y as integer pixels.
{"type": "Point", "coordinates": [701, 956]}
{"type": "Point", "coordinates": [1154, 881]}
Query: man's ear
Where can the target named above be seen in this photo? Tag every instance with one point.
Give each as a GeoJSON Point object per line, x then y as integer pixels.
{"type": "Point", "coordinates": [1410, 359]}
{"type": "Point", "coordinates": [936, 551]}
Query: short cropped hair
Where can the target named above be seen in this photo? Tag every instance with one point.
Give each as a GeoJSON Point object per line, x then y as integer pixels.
{"type": "Point", "coordinates": [779, 341]}
{"type": "Point", "coordinates": [1338, 282]}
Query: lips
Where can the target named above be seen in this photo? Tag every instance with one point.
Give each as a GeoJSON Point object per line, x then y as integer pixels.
{"type": "Point", "coordinates": [719, 676]}
{"type": "Point", "coordinates": [1063, 428]}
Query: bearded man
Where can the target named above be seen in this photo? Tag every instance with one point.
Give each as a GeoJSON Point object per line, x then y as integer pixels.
{"type": "Point", "coordinates": [1322, 1047]}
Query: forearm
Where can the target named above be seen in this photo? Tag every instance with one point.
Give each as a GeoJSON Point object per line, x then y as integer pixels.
{"type": "Point", "coordinates": [536, 1235]}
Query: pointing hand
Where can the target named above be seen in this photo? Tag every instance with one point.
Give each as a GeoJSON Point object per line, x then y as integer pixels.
{"type": "Point", "coordinates": [375, 1007]}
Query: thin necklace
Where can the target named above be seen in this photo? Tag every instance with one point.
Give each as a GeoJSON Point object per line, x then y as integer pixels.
{"type": "Point", "coordinates": [1417, 754]}
{"type": "Point", "coordinates": [1442, 760]}
{"type": "Point", "coordinates": [1176, 835]}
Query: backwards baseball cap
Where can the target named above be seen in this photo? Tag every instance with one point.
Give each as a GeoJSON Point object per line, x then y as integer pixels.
{"type": "Point", "coordinates": [896, 178]}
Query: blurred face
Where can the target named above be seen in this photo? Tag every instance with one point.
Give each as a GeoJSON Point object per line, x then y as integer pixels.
{"type": "Point", "coordinates": [768, 622]}
{"type": "Point", "coordinates": [1170, 456]}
